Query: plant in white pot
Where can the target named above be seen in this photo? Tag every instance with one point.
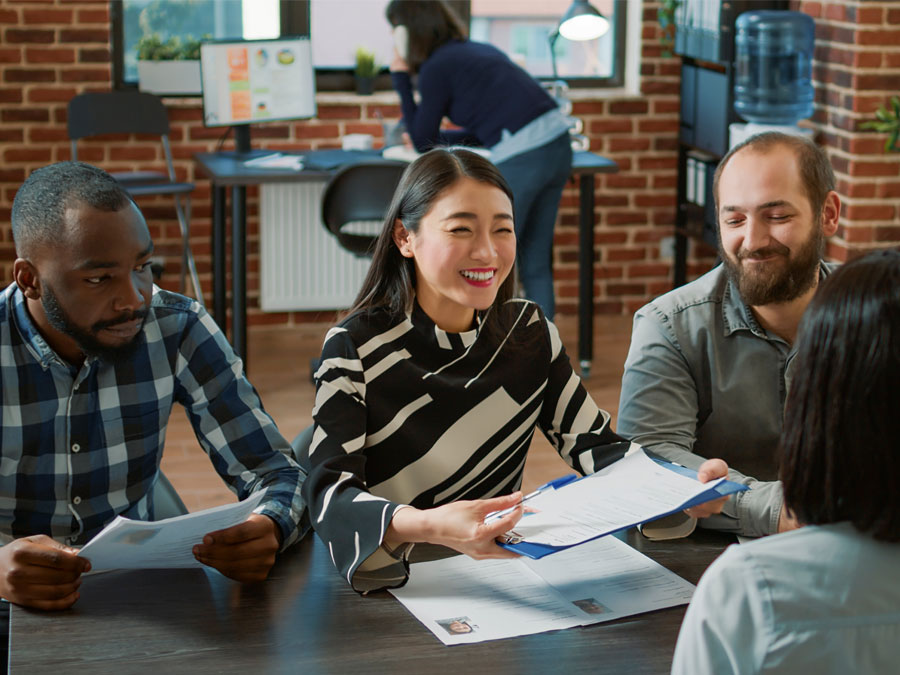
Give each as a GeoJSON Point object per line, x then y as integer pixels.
{"type": "Point", "coordinates": [169, 67]}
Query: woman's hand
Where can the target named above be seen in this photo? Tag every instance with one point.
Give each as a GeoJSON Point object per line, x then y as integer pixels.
{"type": "Point", "coordinates": [459, 525]}
{"type": "Point", "coordinates": [709, 470]}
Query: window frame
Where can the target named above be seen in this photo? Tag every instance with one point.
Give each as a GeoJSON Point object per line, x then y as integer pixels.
{"type": "Point", "coordinates": [295, 21]}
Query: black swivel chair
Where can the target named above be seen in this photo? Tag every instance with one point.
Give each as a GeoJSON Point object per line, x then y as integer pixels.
{"type": "Point", "coordinates": [353, 206]}
{"type": "Point", "coordinates": [94, 114]}
{"type": "Point", "coordinates": [300, 447]}
{"type": "Point", "coordinates": [359, 195]}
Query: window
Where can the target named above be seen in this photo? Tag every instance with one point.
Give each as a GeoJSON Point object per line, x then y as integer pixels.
{"type": "Point", "coordinates": [521, 28]}
{"type": "Point", "coordinates": [186, 19]}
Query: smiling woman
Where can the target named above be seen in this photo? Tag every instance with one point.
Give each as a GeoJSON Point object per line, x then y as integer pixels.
{"type": "Point", "coordinates": [463, 250]}
{"type": "Point", "coordinates": [430, 390]}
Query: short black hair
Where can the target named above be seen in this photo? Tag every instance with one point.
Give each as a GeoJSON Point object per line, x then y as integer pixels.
{"type": "Point", "coordinates": [838, 457]}
{"type": "Point", "coordinates": [39, 206]}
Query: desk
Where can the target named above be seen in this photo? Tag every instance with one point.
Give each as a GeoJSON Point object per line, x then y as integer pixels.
{"type": "Point", "coordinates": [225, 170]}
{"type": "Point", "coordinates": [306, 619]}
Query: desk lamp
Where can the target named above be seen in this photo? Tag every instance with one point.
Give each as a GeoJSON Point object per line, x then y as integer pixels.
{"type": "Point", "coordinates": [581, 22]}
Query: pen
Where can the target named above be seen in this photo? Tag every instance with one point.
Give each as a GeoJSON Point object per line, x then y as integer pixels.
{"type": "Point", "coordinates": [554, 484]}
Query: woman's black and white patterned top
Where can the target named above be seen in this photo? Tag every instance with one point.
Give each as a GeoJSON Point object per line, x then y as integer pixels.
{"type": "Point", "coordinates": [407, 413]}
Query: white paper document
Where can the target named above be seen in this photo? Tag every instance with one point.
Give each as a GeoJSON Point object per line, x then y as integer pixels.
{"type": "Point", "coordinates": [630, 491]}
{"type": "Point", "coordinates": [138, 544]}
{"type": "Point", "coordinates": [462, 600]}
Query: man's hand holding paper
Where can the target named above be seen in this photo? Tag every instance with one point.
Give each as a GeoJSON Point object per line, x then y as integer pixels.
{"type": "Point", "coordinates": [711, 469]}
{"type": "Point", "coordinates": [244, 552]}
{"type": "Point", "coordinates": [231, 540]}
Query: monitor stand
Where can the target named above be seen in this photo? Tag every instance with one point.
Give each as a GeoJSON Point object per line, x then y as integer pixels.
{"type": "Point", "coordinates": [242, 141]}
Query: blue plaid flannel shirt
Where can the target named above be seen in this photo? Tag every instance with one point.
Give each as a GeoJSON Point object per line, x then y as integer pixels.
{"type": "Point", "coordinates": [79, 446]}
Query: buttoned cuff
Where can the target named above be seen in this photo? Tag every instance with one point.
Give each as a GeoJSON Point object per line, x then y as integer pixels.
{"type": "Point", "coordinates": [759, 508]}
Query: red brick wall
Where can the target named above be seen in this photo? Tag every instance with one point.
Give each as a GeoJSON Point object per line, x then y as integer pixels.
{"type": "Point", "coordinates": [51, 50]}
{"type": "Point", "coordinates": [857, 68]}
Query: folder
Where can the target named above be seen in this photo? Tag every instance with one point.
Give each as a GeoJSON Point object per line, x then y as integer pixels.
{"type": "Point", "coordinates": [721, 489]}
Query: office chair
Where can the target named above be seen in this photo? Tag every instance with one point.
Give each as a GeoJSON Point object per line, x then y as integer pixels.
{"type": "Point", "coordinates": [300, 447]}
{"type": "Point", "coordinates": [357, 194]}
{"type": "Point", "coordinates": [166, 502]}
{"type": "Point", "coordinates": [93, 114]}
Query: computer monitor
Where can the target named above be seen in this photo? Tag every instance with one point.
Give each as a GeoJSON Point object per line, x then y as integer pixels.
{"type": "Point", "coordinates": [251, 81]}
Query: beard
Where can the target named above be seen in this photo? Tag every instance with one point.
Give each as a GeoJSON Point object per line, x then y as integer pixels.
{"type": "Point", "coordinates": [87, 340]}
{"type": "Point", "coordinates": [781, 280]}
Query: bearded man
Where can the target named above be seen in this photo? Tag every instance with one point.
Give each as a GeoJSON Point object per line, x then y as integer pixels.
{"type": "Point", "coordinates": [710, 363]}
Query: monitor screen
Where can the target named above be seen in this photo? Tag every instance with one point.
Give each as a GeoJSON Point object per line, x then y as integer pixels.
{"type": "Point", "coordinates": [250, 81]}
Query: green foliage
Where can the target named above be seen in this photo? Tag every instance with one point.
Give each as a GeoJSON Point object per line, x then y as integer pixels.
{"type": "Point", "coordinates": [666, 17]}
{"type": "Point", "coordinates": [887, 121]}
{"type": "Point", "coordinates": [365, 63]}
{"type": "Point", "coordinates": [154, 48]}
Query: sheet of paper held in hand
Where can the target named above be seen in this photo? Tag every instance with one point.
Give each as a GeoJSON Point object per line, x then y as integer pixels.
{"type": "Point", "coordinates": [138, 544]}
{"type": "Point", "coordinates": [462, 600]}
{"type": "Point", "coordinates": [633, 490]}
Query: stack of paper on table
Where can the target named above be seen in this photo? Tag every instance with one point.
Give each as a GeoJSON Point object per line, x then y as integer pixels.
{"type": "Point", "coordinates": [462, 600]}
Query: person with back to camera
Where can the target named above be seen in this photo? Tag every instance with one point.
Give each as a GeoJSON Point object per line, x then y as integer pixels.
{"type": "Point", "coordinates": [430, 389]}
{"type": "Point", "coordinates": [499, 106]}
{"type": "Point", "coordinates": [824, 598]}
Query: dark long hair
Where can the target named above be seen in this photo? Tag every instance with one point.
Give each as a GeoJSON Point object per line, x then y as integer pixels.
{"type": "Point", "coordinates": [391, 280]}
{"type": "Point", "coordinates": [430, 23]}
{"type": "Point", "coordinates": [839, 455]}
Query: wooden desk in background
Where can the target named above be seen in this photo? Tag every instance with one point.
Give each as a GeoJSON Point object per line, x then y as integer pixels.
{"type": "Point", "coordinates": [306, 619]}
{"type": "Point", "coordinates": [226, 170]}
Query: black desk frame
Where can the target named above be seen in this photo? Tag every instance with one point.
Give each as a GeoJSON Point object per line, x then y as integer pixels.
{"type": "Point", "coordinates": [224, 170]}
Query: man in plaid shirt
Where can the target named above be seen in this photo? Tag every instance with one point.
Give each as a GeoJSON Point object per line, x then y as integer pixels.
{"type": "Point", "coordinates": [92, 358]}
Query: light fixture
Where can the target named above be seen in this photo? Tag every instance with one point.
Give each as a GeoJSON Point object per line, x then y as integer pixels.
{"type": "Point", "coordinates": [582, 21]}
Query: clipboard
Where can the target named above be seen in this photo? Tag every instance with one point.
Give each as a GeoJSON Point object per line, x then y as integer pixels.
{"type": "Point", "coordinates": [722, 489]}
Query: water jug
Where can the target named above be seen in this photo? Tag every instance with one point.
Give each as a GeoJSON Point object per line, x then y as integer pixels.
{"type": "Point", "coordinates": [773, 65]}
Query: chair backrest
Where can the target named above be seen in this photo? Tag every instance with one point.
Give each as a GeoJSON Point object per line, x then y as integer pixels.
{"type": "Point", "coordinates": [300, 447]}
{"type": "Point", "coordinates": [115, 112]}
{"type": "Point", "coordinates": [166, 502]}
{"type": "Point", "coordinates": [359, 192]}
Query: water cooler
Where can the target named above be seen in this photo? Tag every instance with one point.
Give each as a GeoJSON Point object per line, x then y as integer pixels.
{"type": "Point", "coordinates": [773, 73]}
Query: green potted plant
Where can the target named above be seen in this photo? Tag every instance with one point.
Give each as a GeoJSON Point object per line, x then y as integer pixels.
{"type": "Point", "coordinates": [887, 120]}
{"type": "Point", "coordinates": [365, 72]}
{"type": "Point", "coordinates": [169, 66]}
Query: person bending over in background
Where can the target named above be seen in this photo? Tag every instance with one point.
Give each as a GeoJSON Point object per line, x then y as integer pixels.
{"type": "Point", "coordinates": [499, 106]}
{"type": "Point", "coordinates": [824, 598]}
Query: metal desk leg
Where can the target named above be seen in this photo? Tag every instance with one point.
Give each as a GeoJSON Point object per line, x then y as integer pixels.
{"type": "Point", "coordinates": [586, 272]}
{"type": "Point", "coordinates": [218, 262]}
{"type": "Point", "coordinates": [239, 271]}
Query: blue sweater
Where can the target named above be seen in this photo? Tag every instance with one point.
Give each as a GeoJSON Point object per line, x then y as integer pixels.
{"type": "Point", "coordinates": [477, 87]}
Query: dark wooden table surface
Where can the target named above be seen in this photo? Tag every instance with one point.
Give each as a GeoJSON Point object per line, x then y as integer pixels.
{"type": "Point", "coordinates": [306, 619]}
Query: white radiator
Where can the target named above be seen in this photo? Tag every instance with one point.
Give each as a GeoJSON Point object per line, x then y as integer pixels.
{"type": "Point", "coordinates": [302, 267]}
